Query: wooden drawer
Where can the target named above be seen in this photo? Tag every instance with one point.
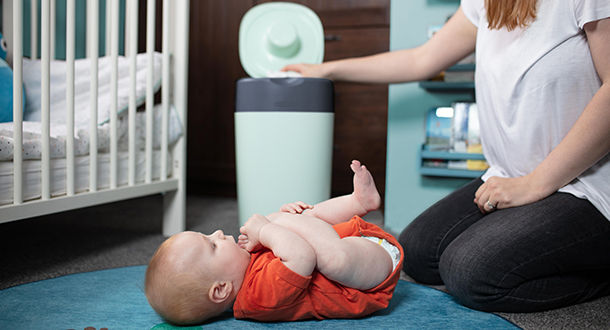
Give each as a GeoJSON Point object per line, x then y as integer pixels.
{"type": "Point", "coordinates": [360, 132]}
{"type": "Point", "coordinates": [342, 43]}
{"type": "Point", "coordinates": [347, 13]}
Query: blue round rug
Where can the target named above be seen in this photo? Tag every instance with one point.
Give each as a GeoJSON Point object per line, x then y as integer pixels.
{"type": "Point", "coordinates": [114, 299]}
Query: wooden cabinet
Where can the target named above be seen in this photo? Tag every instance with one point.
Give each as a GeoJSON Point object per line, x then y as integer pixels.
{"type": "Point", "coordinates": [352, 28]}
{"type": "Point", "coordinates": [214, 68]}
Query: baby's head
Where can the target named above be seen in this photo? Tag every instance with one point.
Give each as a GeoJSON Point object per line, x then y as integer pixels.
{"type": "Point", "coordinates": [193, 277]}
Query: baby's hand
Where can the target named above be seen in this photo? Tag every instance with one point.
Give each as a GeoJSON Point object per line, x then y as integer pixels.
{"type": "Point", "coordinates": [244, 242]}
{"type": "Point", "coordinates": [249, 238]}
{"type": "Point", "coordinates": [295, 208]}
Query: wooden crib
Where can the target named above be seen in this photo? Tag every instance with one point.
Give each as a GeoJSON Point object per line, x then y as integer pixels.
{"type": "Point", "coordinates": [128, 169]}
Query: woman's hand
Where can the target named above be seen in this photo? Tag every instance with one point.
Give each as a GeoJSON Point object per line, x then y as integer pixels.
{"type": "Point", "coordinates": [307, 70]}
{"type": "Point", "coordinates": [502, 193]}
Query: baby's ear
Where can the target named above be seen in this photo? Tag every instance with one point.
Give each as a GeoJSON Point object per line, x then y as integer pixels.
{"type": "Point", "coordinates": [220, 291]}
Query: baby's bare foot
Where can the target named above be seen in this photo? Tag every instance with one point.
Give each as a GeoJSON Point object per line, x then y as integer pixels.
{"type": "Point", "coordinates": [364, 187]}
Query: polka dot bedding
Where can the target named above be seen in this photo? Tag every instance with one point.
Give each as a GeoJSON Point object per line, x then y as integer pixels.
{"type": "Point", "coordinates": [31, 125]}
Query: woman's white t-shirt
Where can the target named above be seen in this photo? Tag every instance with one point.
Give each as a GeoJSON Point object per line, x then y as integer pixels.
{"type": "Point", "coordinates": [532, 84]}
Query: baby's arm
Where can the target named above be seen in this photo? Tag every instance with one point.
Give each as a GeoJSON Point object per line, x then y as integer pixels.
{"type": "Point", "coordinates": [291, 248]}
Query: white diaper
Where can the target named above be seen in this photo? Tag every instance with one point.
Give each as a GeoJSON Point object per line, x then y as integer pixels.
{"type": "Point", "coordinates": [389, 247]}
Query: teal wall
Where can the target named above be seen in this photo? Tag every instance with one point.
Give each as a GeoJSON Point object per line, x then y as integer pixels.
{"type": "Point", "coordinates": [407, 192]}
{"type": "Point", "coordinates": [80, 37]}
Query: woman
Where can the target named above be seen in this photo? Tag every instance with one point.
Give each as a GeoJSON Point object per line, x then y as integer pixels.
{"type": "Point", "coordinates": [533, 233]}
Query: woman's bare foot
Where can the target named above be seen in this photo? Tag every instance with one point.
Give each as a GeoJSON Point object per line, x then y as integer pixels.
{"type": "Point", "coordinates": [364, 187]}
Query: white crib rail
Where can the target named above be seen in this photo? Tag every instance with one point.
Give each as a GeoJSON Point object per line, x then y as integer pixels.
{"type": "Point", "coordinates": [114, 78]}
{"type": "Point", "coordinates": [150, 48]}
{"type": "Point", "coordinates": [70, 45]}
{"type": "Point", "coordinates": [175, 201]}
{"type": "Point", "coordinates": [132, 13]}
{"type": "Point", "coordinates": [175, 23]}
{"type": "Point", "coordinates": [45, 101]}
{"type": "Point", "coordinates": [93, 53]}
{"type": "Point", "coordinates": [165, 91]}
{"type": "Point", "coordinates": [17, 59]}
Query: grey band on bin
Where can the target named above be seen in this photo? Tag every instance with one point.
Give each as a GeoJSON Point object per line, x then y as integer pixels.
{"type": "Point", "coordinates": [284, 94]}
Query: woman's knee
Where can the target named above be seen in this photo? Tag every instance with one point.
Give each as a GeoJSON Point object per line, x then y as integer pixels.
{"type": "Point", "coordinates": [425, 238]}
{"type": "Point", "coordinates": [473, 277]}
{"type": "Point", "coordinates": [420, 253]}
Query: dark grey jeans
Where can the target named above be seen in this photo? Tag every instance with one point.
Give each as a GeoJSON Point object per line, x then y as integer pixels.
{"type": "Point", "coordinates": [548, 254]}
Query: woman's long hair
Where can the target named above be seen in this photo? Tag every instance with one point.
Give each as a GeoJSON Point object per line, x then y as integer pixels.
{"type": "Point", "coordinates": [510, 13]}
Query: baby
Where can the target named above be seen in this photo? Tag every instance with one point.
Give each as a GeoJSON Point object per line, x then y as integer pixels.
{"type": "Point", "coordinates": [320, 261]}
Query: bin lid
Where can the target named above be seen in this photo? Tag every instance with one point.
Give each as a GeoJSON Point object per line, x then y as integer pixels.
{"type": "Point", "coordinates": [272, 35]}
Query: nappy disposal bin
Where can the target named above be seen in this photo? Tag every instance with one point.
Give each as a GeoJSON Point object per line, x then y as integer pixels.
{"type": "Point", "coordinates": [283, 142]}
{"type": "Point", "coordinates": [283, 126]}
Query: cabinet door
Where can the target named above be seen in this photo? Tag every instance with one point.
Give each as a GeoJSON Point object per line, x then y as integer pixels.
{"type": "Point", "coordinates": [360, 109]}
{"type": "Point", "coordinates": [214, 68]}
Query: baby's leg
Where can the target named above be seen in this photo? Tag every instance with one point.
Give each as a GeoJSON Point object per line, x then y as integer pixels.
{"type": "Point", "coordinates": [352, 261]}
{"type": "Point", "coordinates": [365, 198]}
{"type": "Point", "coordinates": [356, 262]}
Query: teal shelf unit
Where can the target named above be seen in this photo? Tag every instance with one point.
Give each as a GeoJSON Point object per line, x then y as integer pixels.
{"type": "Point", "coordinates": [407, 192]}
{"type": "Point", "coordinates": [447, 155]}
{"type": "Point", "coordinates": [423, 154]}
{"type": "Point", "coordinates": [441, 86]}
{"type": "Point", "coordinates": [462, 67]}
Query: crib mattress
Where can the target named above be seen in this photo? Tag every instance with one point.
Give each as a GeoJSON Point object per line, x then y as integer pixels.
{"type": "Point", "coordinates": [32, 174]}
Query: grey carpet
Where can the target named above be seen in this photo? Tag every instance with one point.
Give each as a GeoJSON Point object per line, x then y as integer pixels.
{"type": "Point", "coordinates": [128, 232]}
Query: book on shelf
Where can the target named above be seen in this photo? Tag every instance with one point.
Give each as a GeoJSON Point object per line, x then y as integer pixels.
{"type": "Point", "coordinates": [454, 129]}
{"type": "Point", "coordinates": [458, 76]}
{"type": "Point", "coordinates": [463, 71]}
{"type": "Point", "coordinates": [473, 134]}
{"type": "Point", "coordinates": [438, 129]}
{"type": "Point", "coordinates": [459, 126]}
{"type": "Point", "coordinates": [435, 163]}
{"type": "Point", "coordinates": [457, 165]}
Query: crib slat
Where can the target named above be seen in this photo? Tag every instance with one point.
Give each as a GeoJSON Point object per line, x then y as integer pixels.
{"type": "Point", "coordinates": [33, 29]}
{"type": "Point", "coordinates": [174, 213]}
{"type": "Point", "coordinates": [150, 48]}
{"type": "Point", "coordinates": [133, 50]}
{"type": "Point", "coordinates": [114, 80]}
{"type": "Point", "coordinates": [17, 103]}
{"type": "Point", "coordinates": [165, 90]}
{"type": "Point", "coordinates": [45, 69]}
{"type": "Point", "coordinates": [70, 30]}
{"type": "Point", "coordinates": [93, 45]}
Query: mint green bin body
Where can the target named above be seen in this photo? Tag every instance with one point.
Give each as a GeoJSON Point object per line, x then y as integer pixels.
{"type": "Point", "coordinates": [283, 143]}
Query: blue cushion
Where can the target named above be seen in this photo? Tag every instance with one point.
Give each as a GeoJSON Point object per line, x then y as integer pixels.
{"type": "Point", "coordinates": [6, 93]}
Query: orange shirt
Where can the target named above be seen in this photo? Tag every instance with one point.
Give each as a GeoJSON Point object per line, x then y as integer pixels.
{"type": "Point", "coordinates": [272, 292]}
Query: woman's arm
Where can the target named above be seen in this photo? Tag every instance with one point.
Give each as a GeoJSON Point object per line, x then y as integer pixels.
{"type": "Point", "coordinates": [586, 143]}
{"type": "Point", "coordinates": [450, 44]}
